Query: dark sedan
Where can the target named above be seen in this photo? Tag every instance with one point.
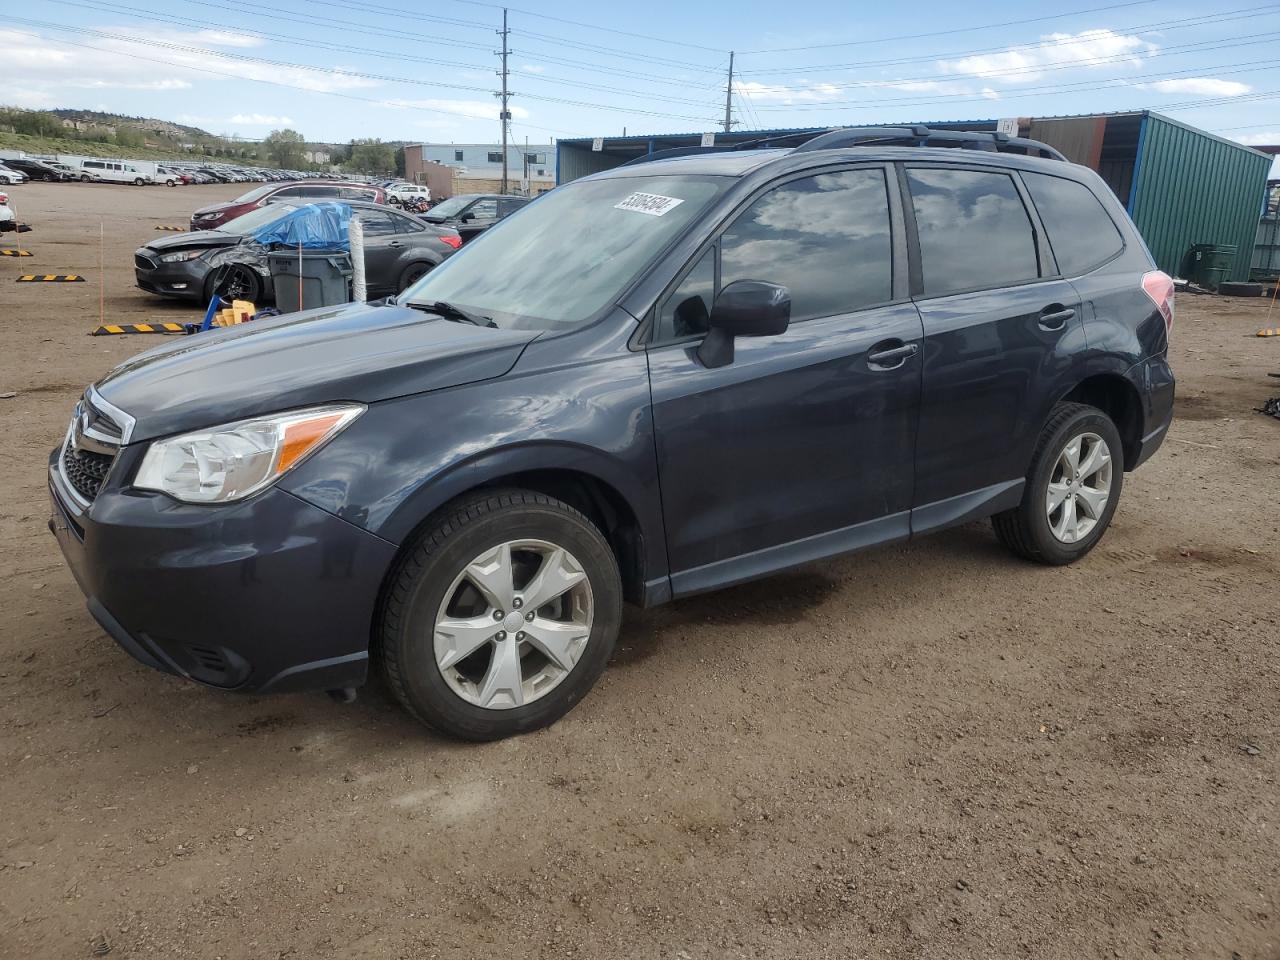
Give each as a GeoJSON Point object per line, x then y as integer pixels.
{"type": "Point", "coordinates": [472, 214]}
{"type": "Point", "coordinates": [37, 169]}
{"type": "Point", "coordinates": [399, 249]}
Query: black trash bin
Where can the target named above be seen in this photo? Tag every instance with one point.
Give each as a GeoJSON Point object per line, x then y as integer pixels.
{"type": "Point", "coordinates": [312, 278]}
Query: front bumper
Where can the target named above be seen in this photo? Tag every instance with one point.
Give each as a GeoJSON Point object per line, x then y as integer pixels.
{"type": "Point", "coordinates": [272, 594]}
{"type": "Point", "coordinates": [181, 281]}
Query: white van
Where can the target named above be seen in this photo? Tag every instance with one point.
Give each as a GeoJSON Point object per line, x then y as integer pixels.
{"type": "Point", "coordinates": [113, 171]}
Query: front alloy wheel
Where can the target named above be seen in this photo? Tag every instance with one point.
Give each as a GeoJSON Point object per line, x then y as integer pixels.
{"type": "Point", "coordinates": [513, 624]}
{"type": "Point", "coordinates": [501, 615]}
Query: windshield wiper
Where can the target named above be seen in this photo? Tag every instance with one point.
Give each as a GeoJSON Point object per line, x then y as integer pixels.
{"type": "Point", "coordinates": [451, 312]}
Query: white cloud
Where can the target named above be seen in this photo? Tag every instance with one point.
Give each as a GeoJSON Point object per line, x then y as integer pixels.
{"type": "Point", "coordinates": [804, 91]}
{"type": "Point", "coordinates": [1267, 137]}
{"type": "Point", "coordinates": [1024, 64]}
{"type": "Point", "coordinates": [259, 120]}
{"type": "Point", "coordinates": [530, 68]}
{"type": "Point", "coordinates": [42, 67]}
{"type": "Point", "coordinates": [220, 38]}
{"type": "Point", "coordinates": [473, 109]}
{"type": "Point", "coordinates": [1205, 86]}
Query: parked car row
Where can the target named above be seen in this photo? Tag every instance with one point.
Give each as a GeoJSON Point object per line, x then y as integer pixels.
{"type": "Point", "coordinates": [399, 250]}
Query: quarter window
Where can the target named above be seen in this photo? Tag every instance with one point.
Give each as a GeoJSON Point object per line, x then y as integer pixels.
{"type": "Point", "coordinates": [825, 238]}
{"type": "Point", "coordinates": [974, 231]}
{"type": "Point", "coordinates": [1081, 232]}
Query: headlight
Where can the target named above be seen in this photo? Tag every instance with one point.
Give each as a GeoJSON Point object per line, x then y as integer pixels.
{"type": "Point", "coordinates": [237, 460]}
{"type": "Point", "coordinates": [182, 256]}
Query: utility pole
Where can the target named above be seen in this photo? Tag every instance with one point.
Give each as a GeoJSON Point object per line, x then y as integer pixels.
{"type": "Point", "coordinates": [728, 98]}
{"type": "Point", "coordinates": [506, 114]}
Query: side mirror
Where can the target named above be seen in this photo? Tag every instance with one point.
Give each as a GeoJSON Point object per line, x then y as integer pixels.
{"type": "Point", "coordinates": [745, 308]}
{"type": "Point", "coordinates": [467, 217]}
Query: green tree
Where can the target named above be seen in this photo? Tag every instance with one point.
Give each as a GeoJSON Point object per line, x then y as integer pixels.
{"type": "Point", "coordinates": [285, 147]}
{"type": "Point", "coordinates": [371, 156]}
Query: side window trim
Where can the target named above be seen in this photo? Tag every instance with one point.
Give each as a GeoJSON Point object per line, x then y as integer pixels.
{"type": "Point", "coordinates": [898, 245]}
{"type": "Point", "coordinates": [1037, 228]}
{"type": "Point", "coordinates": [1045, 260]}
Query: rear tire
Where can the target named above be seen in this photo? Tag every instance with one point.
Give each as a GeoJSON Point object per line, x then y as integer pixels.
{"type": "Point", "coordinates": [499, 548]}
{"type": "Point", "coordinates": [84, 178]}
{"type": "Point", "coordinates": [1070, 497]}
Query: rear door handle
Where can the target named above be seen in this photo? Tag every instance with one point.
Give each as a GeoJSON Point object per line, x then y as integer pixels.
{"type": "Point", "coordinates": [1055, 316]}
{"type": "Point", "coordinates": [891, 354]}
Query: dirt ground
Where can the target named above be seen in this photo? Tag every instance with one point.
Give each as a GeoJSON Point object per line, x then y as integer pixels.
{"type": "Point", "coordinates": [929, 751]}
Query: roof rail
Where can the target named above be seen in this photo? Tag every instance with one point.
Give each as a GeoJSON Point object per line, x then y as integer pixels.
{"type": "Point", "coordinates": [673, 152]}
{"type": "Point", "coordinates": [927, 137]}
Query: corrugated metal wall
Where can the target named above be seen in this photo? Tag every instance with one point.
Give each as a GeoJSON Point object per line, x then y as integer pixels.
{"type": "Point", "coordinates": [1192, 188]}
{"type": "Point", "coordinates": [573, 162]}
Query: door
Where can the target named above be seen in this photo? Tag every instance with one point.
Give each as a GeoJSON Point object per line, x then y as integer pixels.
{"type": "Point", "coordinates": [1001, 329]}
{"type": "Point", "coordinates": [477, 218]}
{"type": "Point", "coordinates": [382, 250]}
{"type": "Point", "coordinates": [802, 446]}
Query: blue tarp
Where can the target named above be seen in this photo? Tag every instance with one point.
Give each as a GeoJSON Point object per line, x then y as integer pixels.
{"type": "Point", "coordinates": [317, 226]}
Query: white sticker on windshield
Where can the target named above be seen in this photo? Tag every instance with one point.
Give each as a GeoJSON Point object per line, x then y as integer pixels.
{"type": "Point", "coordinates": [653, 204]}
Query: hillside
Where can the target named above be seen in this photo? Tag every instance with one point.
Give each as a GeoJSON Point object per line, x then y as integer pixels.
{"type": "Point", "coordinates": [152, 125]}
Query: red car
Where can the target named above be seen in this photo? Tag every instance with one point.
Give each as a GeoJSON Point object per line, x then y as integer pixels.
{"type": "Point", "coordinates": [211, 217]}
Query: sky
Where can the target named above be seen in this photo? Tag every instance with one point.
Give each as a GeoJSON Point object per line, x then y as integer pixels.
{"type": "Point", "coordinates": [340, 69]}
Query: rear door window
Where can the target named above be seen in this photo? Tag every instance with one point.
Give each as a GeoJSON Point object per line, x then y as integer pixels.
{"type": "Point", "coordinates": [1081, 232]}
{"type": "Point", "coordinates": [975, 233]}
{"type": "Point", "coordinates": [377, 224]}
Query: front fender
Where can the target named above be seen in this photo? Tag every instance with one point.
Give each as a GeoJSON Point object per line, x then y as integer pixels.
{"type": "Point", "coordinates": [404, 458]}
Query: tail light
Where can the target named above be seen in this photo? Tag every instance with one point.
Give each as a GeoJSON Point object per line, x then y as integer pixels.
{"type": "Point", "coordinates": [1158, 285]}
{"type": "Point", "coordinates": [452, 239]}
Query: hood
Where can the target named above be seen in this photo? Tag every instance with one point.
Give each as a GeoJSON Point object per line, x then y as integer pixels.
{"type": "Point", "coordinates": [361, 352]}
{"type": "Point", "coordinates": [198, 238]}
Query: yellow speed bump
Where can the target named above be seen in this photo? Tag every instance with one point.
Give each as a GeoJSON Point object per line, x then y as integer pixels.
{"type": "Point", "coordinates": [15, 253]}
{"type": "Point", "coordinates": [1269, 332]}
{"type": "Point", "coordinates": [51, 278]}
{"type": "Point", "coordinates": [173, 229]}
{"type": "Point", "coordinates": [113, 329]}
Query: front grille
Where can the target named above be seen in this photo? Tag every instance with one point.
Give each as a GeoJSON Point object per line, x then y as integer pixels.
{"type": "Point", "coordinates": [85, 471]}
{"type": "Point", "coordinates": [143, 263]}
{"type": "Point", "coordinates": [90, 449]}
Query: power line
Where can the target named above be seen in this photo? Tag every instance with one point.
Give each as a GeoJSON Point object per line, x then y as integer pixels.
{"type": "Point", "coordinates": [137, 13]}
{"type": "Point", "coordinates": [944, 33]}
{"type": "Point", "coordinates": [332, 71]}
{"type": "Point", "coordinates": [1052, 90]}
{"type": "Point", "coordinates": [1179, 50]}
{"type": "Point", "coordinates": [1228, 16]}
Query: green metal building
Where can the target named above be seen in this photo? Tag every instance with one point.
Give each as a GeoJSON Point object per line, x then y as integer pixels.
{"type": "Point", "coordinates": [1182, 186]}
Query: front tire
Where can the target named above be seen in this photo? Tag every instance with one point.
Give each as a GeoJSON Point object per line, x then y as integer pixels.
{"type": "Point", "coordinates": [412, 274]}
{"type": "Point", "coordinates": [1072, 489]}
{"type": "Point", "coordinates": [501, 615]}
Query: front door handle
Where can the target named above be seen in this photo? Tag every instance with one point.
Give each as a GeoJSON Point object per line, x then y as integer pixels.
{"type": "Point", "coordinates": [1055, 316]}
{"type": "Point", "coordinates": [891, 354]}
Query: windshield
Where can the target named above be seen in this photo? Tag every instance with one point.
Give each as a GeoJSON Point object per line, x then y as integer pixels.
{"type": "Point", "coordinates": [256, 194]}
{"type": "Point", "coordinates": [251, 221]}
{"type": "Point", "coordinates": [570, 253]}
{"type": "Point", "coordinates": [447, 208]}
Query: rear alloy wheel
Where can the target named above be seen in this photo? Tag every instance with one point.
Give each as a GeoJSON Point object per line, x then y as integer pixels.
{"type": "Point", "coordinates": [501, 617]}
{"type": "Point", "coordinates": [84, 178]}
{"type": "Point", "coordinates": [139, 182]}
{"type": "Point", "coordinates": [1071, 491]}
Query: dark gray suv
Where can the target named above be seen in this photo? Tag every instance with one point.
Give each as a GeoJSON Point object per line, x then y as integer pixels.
{"type": "Point", "coordinates": [655, 381]}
